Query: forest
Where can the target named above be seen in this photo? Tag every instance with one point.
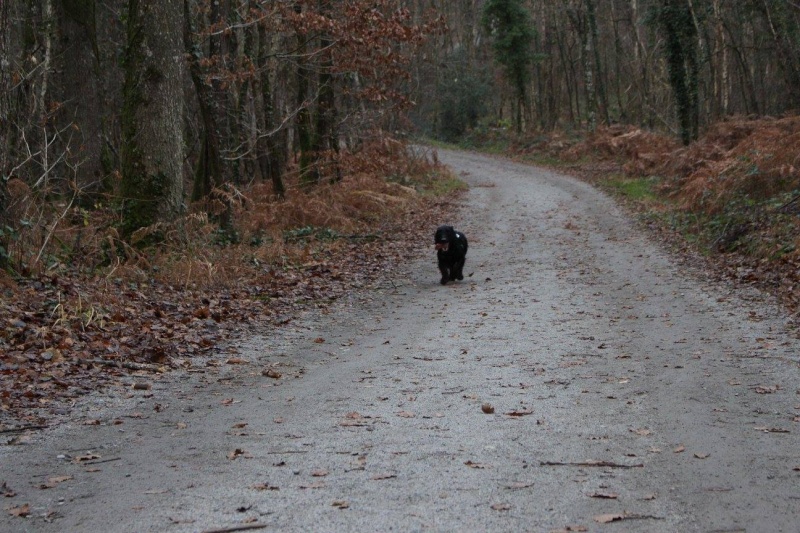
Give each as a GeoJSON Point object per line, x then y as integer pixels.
{"type": "Point", "coordinates": [190, 143]}
{"type": "Point", "coordinates": [131, 114]}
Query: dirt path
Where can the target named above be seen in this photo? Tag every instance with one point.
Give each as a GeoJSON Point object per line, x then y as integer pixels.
{"type": "Point", "coordinates": [623, 388]}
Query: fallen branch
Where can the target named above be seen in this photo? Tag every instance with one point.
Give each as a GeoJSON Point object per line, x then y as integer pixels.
{"type": "Point", "coordinates": [608, 518]}
{"type": "Point", "coordinates": [21, 429]}
{"type": "Point", "coordinates": [236, 528]}
{"type": "Point", "coordinates": [101, 461]}
{"type": "Point", "coordinates": [606, 464]}
{"type": "Point", "coordinates": [287, 451]}
{"type": "Point", "coordinates": [127, 364]}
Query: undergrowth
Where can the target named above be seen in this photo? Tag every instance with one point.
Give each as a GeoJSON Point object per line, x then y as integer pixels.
{"type": "Point", "coordinates": [380, 183]}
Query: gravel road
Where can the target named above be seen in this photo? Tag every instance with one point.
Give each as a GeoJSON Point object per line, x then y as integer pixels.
{"type": "Point", "coordinates": [625, 393]}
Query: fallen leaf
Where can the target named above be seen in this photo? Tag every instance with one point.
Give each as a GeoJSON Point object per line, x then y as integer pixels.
{"type": "Point", "coordinates": [679, 449]}
{"type": "Point", "coordinates": [6, 491]}
{"type": "Point", "coordinates": [240, 425]}
{"type": "Point", "coordinates": [84, 458]}
{"type": "Point", "coordinates": [319, 473]}
{"type": "Point", "coordinates": [265, 486]}
{"type": "Point", "coordinates": [20, 511]}
{"type": "Point", "coordinates": [406, 414]}
{"type": "Point", "coordinates": [487, 408]}
{"type": "Point", "coordinates": [475, 465]}
{"type": "Point", "coordinates": [236, 361]}
{"type": "Point", "coordinates": [181, 425]}
{"type": "Point", "coordinates": [501, 506]}
{"type": "Point", "coordinates": [570, 529]}
{"type": "Point", "coordinates": [238, 452]}
{"type": "Point", "coordinates": [317, 485]}
{"type": "Point", "coordinates": [271, 373]}
{"type": "Point", "coordinates": [702, 455]}
{"type": "Point", "coordinates": [380, 477]}
{"type": "Point", "coordinates": [93, 422]}
{"type": "Point", "coordinates": [605, 495]}
{"type": "Point", "coordinates": [519, 485]}
{"type": "Point", "coordinates": [761, 389]}
{"type": "Point", "coordinates": [520, 412]}
{"type": "Point", "coordinates": [608, 518]}
{"type": "Point", "coordinates": [353, 419]}
{"type": "Point", "coordinates": [53, 481]}
{"type": "Point", "coordinates": [341, 504]}
{"type": "Point", "coordinates": [279, 420]}
{"type": "Point", "coordinates": [141, 385]}
{"type": "Point", "coordinates": [771, 430]}
{"type": "Point", "coordinates": [648, 497]}
{"type": "Point", "coordinates": [642, 432]}
{"type": "Point", "coordinates": [319, 340]}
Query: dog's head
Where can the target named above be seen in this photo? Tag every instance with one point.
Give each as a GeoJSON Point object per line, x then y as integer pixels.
{"type": "Point", "coordinates": [443, 237]}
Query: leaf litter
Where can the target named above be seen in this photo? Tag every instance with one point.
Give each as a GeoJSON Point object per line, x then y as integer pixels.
{"type": "Point", "coordinates": [65, 334]}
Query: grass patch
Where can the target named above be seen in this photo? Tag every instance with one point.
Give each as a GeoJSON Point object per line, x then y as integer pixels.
{"type": "Point", "coordinates": [636, 189]}
{"type": "Point", "coordinates": [442, 183]}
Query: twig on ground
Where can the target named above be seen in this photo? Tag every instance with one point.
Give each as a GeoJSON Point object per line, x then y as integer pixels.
{"type": "Point", "coordinates": [127, 364]}
{"type": "Point", "coordinates": [236, 528]}
{"type": "Point", "coordinates": [21, 429]}
{"type": "Point", "coordinates": [606, 464]}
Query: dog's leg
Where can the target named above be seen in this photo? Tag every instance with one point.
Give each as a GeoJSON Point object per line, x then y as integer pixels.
{"type": "Point", "coordinates": [445, 274]}
{"type": "Point", "coordinates": [459, 270]}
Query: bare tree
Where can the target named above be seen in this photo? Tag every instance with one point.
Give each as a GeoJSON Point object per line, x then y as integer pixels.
{"type": "Point", "coordinates": [152, 116]}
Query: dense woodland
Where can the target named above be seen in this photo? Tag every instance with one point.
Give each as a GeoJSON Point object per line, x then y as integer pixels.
{"type": "Point", "coordinates": [129, 115]}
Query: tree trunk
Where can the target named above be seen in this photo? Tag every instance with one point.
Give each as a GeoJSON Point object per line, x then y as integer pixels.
{"type": "Point", "coordinates": [5, 115]}
{"type": "Point", "coordinates": [591, 15]}
{"type": "Point", "coordinates": [680, 50]}
{"type": "Point", "coordinates": [325, 142]}
{"type": "Point", "coordinates": [786, 36]}
{"type": "Point", "coordinates": [269, 153]}
{"type": "Point", "coordinates": [80, 88]}
{"type": "Point", "coordinates": [152, 115]}
{"type": "Point", "coordinates": [308, 173]}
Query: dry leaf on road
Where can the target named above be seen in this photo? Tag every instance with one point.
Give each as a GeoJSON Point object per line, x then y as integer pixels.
{"type": "Point", "coordinates": [20, 511]}
{"type": "Point", "coordinates": [53, 481]}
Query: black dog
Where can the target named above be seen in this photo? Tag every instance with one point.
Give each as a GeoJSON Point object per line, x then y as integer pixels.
{"type": "Point", "coordinates": [451, 251]}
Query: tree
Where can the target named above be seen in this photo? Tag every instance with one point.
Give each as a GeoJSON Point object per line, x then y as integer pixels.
{"type": "Point", "coordinates": [152, 115]}
{"type": "Point", "coordinates": [5, 114]}
{"type": "Point", "coordinates": [509, 24]}
{"type": "Point", "coordinates": [677, 24]}
{"type": "Point", "coordinates": [783, 20]}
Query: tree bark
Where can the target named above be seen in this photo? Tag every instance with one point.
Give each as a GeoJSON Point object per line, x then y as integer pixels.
{"type": "Point", "coordinates": [152, 115]}
{"type": "Point", "coordinates": [680, 50]}
{"type": "Point", "coordinates": [5, 115]}
{"type": "Point", "coordinates": [270, 158]}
